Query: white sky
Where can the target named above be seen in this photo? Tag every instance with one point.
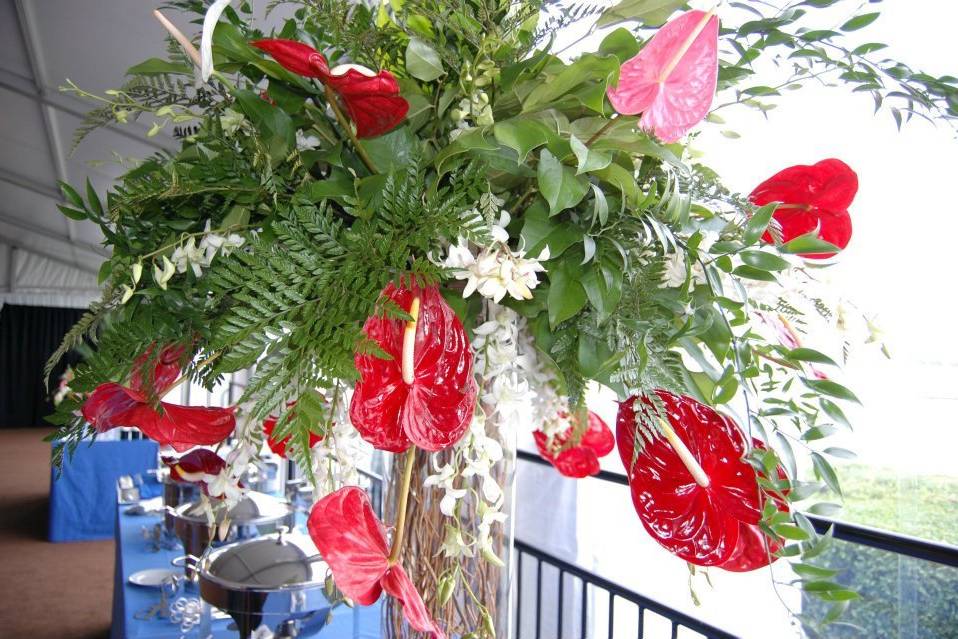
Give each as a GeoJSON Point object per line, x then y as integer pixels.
{"type": "Point", "coordinates": [899, 262]}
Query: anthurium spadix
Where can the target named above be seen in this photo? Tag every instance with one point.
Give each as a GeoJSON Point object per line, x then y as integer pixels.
{"type": "Point", "coordinates": [425, 393]}
{"type": "Point", "coordinates": [671, 81]}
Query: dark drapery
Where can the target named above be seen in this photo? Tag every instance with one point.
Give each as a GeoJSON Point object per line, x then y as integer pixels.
{"type": "Point", "coordinates": [28, 336]}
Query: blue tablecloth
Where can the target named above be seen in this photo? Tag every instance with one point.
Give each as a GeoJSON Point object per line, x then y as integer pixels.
{"type": "Point", "coordinates": [82, 498]}
{"type": "Point", "coordinates": [132, 556]}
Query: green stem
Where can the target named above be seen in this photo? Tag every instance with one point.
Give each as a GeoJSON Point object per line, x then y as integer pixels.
{"type": "Point", "coordinates": [396, 549]}
{"type": "Point", "coordinates": [224, 81]}
{"type": "Point", "coordinates": [348, 129]}
{"type": "Point", "coordinates": [598, 134]}
{"type": "Point", "coordinates": [199, 367]}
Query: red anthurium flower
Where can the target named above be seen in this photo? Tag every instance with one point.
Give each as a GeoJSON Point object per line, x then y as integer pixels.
{"type": "Point", "coordinates": [194, 466]}
{"type": "Point", "coordinates": [671, 81]}
{"type": "Point", "coordinates": [371, 99]}
{"type": "Point", "coordinates": [692, 488]}
{"type": "Point", "coordinates": [112, 405]}
{"type": "Point", "coordinates": [581, 460]}
{"type": "Point", "coordinates": [352, 541]}
{"type": "Point", "coordinates": [166, 369]}
{"type": "Point", "coordinates": [182, 427]}
{"type": "Point", "coordinates": [425, 394]}
{"type": "Point", "coordinates": [755, 549]}
{"type": "Point", "coordinates": [813, 198]}
{"type": "Point", "coordinates": [279, 446]}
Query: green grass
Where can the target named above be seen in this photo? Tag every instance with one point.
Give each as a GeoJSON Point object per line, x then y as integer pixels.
{"type": "Point", "coordinates": [923, 506]}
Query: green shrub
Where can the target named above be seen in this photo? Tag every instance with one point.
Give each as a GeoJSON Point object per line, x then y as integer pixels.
{"type": "Point", "coordinates": [902, 597]}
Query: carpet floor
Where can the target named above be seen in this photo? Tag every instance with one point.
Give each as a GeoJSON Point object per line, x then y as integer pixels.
{"type": "Point", "coordinates": [47, 590]}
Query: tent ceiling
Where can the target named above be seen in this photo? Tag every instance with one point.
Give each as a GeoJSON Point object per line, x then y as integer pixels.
{"type": "Point", "coordinates": [41, 45]}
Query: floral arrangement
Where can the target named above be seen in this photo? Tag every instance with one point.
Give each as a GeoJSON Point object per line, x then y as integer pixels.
{"type": "Point", "coordinates": [422, 230]}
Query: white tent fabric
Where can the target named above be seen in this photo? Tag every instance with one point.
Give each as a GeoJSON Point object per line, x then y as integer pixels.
{"type": "Point", "coordinates": [38, 280]}
{"type": "Point", "coordinates": [42, 44]}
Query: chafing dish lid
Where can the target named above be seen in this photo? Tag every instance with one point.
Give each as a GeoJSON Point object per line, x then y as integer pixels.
{"type": "Point", "coordinates": [270, 562]}
{"type": "Point", "coordinates": [254, 506]}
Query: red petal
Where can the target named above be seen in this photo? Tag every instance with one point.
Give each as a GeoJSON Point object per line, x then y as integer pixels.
{"type": "Point", "coordinates": [294, 56]}
{"type": "Point", "coordinates": [819, 195]}
{"type": "Point", "coordinates": [576, 462]}
{"type": "Point", "coordinates": [397, 584]}
{"type": "Point", "coordinates": [434, 411]}
{"type": "Point", "coordinates": [184, 427]}
{"type": "Point", "coordinates": [201, 460]}
{"type": "Point", "coordinates": [109, 406]}
{"type": "Point", "coordinates": [279, 446]}
{"type": "Point", "coordinates": [373, 103]}
{"type": "Point", "coordinates": [352, 541]}
{"type": "Point", "coordinates": [671, 100]}
{"type": "Point", "coordinates": [181, 427]}
{"type": "Point", "coordinates": [700, 525]}
{"type": "Point", "coordinates": [598, 436]}
{"type": "Point", "coordinates": [828, 185]}
{"type": "Point", "coordinates": [835, 228]}
{"type": "Point", "coordinates": [581, 460]}
{"type": "Point", "coordinates": [166, 370]}
{"type": "Point", "coordinates": [755, 549]}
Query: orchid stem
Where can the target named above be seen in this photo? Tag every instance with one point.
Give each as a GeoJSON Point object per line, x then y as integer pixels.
{"type": "Point", "coordinates": [396, 549]}
{"type": "Point", "coordinates": [347, 127]}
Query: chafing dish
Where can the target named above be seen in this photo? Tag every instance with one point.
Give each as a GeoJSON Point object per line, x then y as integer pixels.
{"type": "Point", "coordinates": [276, 580]}
{"type": "Point", "coordinates": [174, 494]}
{"type": "Point", "coordinates": [256, 514]}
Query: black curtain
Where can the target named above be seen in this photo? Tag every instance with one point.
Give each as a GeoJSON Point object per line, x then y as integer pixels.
{"type": "Point", "coordinates": [28, 336]}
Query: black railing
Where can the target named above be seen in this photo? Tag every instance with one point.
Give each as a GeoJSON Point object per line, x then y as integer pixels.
{"type": "Point", "coordinates": [581, 606]}
{"type": "Point", "coordinates": [854, 533]}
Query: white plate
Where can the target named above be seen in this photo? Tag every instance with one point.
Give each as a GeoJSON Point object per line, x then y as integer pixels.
{"type": "Point", "coordinates": [151, 577]}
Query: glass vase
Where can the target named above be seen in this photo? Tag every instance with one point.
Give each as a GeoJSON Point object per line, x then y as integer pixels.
{"type": "Point", "coordinates": [465, 587]}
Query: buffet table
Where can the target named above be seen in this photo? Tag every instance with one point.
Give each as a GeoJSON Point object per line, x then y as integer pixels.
{"type": "Point", "coordinates": [133, 555]}
{"type": "Point", "coordinates": [82, 497]}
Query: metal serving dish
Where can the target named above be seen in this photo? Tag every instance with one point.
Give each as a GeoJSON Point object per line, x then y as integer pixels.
{"type": "Point", "coordinates": [174, 494]}
{"type": "Point", "coordinates": [276, 580]}
{"type": "Point", "coordinates": [256, 514]}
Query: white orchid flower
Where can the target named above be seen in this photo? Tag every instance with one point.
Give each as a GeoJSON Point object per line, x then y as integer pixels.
{"type": "Point", "coordinates": [453, 544]}
{"type": "Point", "coordinates": [675, 272]}
{"type": "Point", "coordinates": [225, 486]}
{"type": "Point", "coordinates": [163, 275]}
{"type": "Point", "coordinates": [206, 42]}
{"type": "Point", "coordinates": [498, 231]}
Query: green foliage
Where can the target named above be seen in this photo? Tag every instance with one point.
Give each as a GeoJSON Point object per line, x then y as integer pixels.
{"type": "Point", "coordinates": [301, 294]}
{"type": "Point", "coordinates": [632, 297]}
